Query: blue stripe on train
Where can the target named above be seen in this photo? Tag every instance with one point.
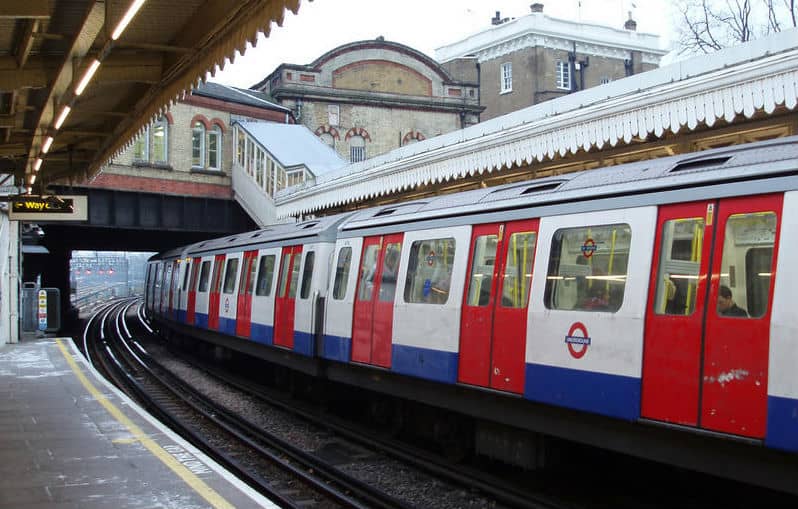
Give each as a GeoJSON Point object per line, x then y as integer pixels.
{"type": "Point", "coordinates": [227, 325]}
{"type": "Point", "coordinates": [201, 320]}
{"type": "Point", "coordinates": [336, 348]}
{"type": "Point", "coordinates": [612, 395]}
{"type": "Point", "coordinates": [782, 431]}
{"type": "Point", "coordinates": [261, 333]}
{"type": "Point", "coordinates": [303, 343]}
{"type": "Point", "coordinates": [425, 363]}
{"type": "Point", "coordinates": [181, 315]}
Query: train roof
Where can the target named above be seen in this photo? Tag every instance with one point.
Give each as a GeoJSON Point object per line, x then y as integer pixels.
{"type": "Point", "coordinates": [740, 163]}
{"type": "Point", "coordinates": [312, 230]}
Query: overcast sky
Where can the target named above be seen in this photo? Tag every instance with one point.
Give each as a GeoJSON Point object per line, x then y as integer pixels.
{"type": "Point", "coordinates": [424, 25]}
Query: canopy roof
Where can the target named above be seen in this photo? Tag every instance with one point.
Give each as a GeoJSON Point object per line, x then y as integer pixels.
{"type": "Point", "coordinates": [47, 46]}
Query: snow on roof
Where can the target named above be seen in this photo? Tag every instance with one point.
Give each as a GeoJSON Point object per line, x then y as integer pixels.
{"type": "Point", "coordinates": [543, 26]}
{"type": "Point", "coordinates": [294, 145]}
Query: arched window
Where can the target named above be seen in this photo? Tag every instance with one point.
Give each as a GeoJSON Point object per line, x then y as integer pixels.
{"type": "Point", "coordinates": [198, 145]}
{"type": "Point", "coordinates": [160, 141]}
{"type": "Point", "coordinates": [328, 139]}
{"type": "Point", "coordinates": [357, 149]}
{"type": "Point", "coordinates": [141, 147]}
{"type": "Point", "coordinates": [215, 148]}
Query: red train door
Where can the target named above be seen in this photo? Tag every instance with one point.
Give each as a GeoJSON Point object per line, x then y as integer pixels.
{"type": "Point", "coordinates": [215, 290]}
{"type": "Point", "coordinates": [493, 322]}
{"type": "Point", "coordinates": [675, 314]}
{"type": "Point", "coordinates": [286, 293]}
{"type": "Point", "coordinates": [192, 291]}
{"type": "Point", "coordinates": [372, 326]}
{"type": "Point", "coordinates": [244, 307]}
{"type": "Point", "coordinates": [705, 361]}
{"type": "Point", "coordinates": [173, 289]}
{"type": "Point", "coordinates": [735, 377]}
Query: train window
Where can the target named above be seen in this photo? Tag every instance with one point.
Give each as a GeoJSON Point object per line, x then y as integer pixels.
{"type": "Point", "coordinates": [216, 286]}
{"type": "Point", "coordinates": [307, 274]}
{"type": "Point", "coordinates": [390, 270]}
{"type": "Point", "coordinates": [294, 275]}
{"type": "Point", "coordinates": [587, 268]}
{"type": "Point", "coordinates": [482, 264]}
{"type": "Point", "coordinates": [745, 271]}
{"type": "Point", "coordinates": [429, 271]}
{"type": "Point", "coordinates": [230, 274]}
{"type": "Point", "coordinates": [247, 277]}
{"type": "Point", "coordinates": [265, 276]}
{"type": "Point", "coordinates": [679, 265]}
{"type": "Point", "coordinates": [204, 274]}
{"type": "Point", "coordinates": [342, 272]}
{"type": "Point", "coordinates": [284, 266]}
{"type": "Point", "coordinates": [186, 273]}
{"type": "Point", "coordinates": [367, 269]}
{"type": "Point", "coordinates": [518, 269]}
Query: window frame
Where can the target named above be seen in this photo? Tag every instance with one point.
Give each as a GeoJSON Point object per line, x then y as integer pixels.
{"type": "Point", "coordinates": [161, 123]}
{"type": "Point", "coordinates": [506, 78]}
{"type": "Point", "coordinates": [142, 141]}
{"type": "Point", "coordinates": [214, 133]}
{"type": "Point", "coordinates": [198, 136]}
{"type": "Point", "coordinates": [563, 75]}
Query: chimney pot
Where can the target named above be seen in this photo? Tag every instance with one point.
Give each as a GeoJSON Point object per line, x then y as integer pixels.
{"type": "Point", "coordinates": [536, 7]}
{"type": "Point", "coordinates": [630, 23]}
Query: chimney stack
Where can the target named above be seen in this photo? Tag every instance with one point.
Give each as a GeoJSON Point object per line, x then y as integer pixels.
{"type": "Point", "coordinates": [496, 20]}
{"type": "Point", "coordinates": [630, 23]}
{"type": "Point", "coordinates": [536, 7]}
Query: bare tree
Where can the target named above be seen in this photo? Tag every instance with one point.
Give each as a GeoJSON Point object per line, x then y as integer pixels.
{"type": "Point", "coordinates": [709, 25]}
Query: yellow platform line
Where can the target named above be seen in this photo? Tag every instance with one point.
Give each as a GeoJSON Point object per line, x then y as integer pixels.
{"type": "Point", "coordinates": [184, 473]}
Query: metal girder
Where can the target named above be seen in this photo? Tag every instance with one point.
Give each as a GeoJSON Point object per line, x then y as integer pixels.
{"type": "Point", "coordinates": [34, 9]}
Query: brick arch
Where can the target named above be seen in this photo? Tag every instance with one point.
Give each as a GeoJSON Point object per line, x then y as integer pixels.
{"type": "Point", "coordinates": [357, 131]}
{"type": "Point", "coordinates": [202, 119]}
{"type": "Point", "coordinates": [170, 119]}
{"type": "Point", "coordinates": [413, 135]}
{"type": "Point", "coordinates": [325, 129]}
{"type": "Point", "coordinates": [218, 122]}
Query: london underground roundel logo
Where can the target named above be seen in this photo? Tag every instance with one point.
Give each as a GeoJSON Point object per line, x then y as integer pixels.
{"type": "Point", "coordinates": [577, 340]}
{"type": "Point", "coordinates": [588, 248]}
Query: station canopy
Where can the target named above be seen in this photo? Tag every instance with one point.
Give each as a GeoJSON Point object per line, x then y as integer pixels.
{"type": "Point", "coordinates": [80, 79]}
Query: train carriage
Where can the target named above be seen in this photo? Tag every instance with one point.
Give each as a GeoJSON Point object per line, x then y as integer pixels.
{"type": "Point", "coordinates": [651, 293]}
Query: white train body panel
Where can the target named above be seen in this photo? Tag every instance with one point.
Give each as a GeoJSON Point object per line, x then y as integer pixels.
{"type": "Point", "coordinates": [262, 329]}
{"type": "Point", "coordinates": [426, 337]}
{"type": "Point", "coordinates": [602, 373]}
{"type": "Point", "coordinates": [337, 342]}
{"type": "Point", "coordinates": [228, 300]}
{"type": "Point", "coordinates": [305, 303]}
{"type": "Point", "coordinates": [782, 420]}
{"type": "Point", "coordinates": [203, 297]}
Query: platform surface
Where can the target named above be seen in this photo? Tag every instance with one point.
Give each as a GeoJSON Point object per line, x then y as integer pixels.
{"type": "Point", "coordinates": [69, 439]}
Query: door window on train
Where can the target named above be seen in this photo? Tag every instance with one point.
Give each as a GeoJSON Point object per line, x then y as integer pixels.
{"type": "Point", "coordinates": [285, 266]}
{"type": "Point", "coordinates": [390, 271]}
{"type": "Point", "coordinates": [367, 270]}
{"type": "Point", "coordinates": [679, 266]}
{"type": "Point", "coordinates": [216, 277]}
{"type": "Point", "coordinates": [429, 271]}
{"type": "Point", "coordinates": [265, 276]}
{"type": "Point", "coordinates": [587, 268]}
{"type": "Point", "coordinates": [307, 274]}
{"type": "Point", "coordinates": [186, 274]}
{"type": "Point", "coordinates": [482, 264]}
{"type": "Point", "coordinates": [746, 265]}
{"type": "Point", "coordinates": [205, 272]}
{"type": "Point", "coordinates": [342, 273]}
{"type": "Point", "coordinates": [230, 274]}
{"type": "Point", "coordinates": [518, 269]}
{"type": "Point", "coordinates": [247, 281]}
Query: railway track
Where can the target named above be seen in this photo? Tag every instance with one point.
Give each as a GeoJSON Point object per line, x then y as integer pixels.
{"type": "Point", "coordinates": [282, 472]}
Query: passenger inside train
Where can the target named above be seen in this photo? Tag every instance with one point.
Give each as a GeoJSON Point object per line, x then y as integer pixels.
{"type": "Point", "coordinates": [726, 304]}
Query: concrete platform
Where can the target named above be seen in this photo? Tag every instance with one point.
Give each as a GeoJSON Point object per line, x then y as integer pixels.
{"type": "Point", "coordinates": [69, 439]}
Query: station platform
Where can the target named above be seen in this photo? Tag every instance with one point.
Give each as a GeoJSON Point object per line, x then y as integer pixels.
{"type": "Point", "coordinates": [69, 439]}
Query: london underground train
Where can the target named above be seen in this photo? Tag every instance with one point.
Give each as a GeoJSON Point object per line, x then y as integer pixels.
{"type": "Point", "coordinates": [647, 308]}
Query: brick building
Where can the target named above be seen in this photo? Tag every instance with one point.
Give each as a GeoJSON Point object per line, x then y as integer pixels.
{"type": "Point", "coordinates": [525, 61]}
{"type": "Point", "coordinates": [367, 98]}
{"type": "Point", "coordinates": [190, 149]}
